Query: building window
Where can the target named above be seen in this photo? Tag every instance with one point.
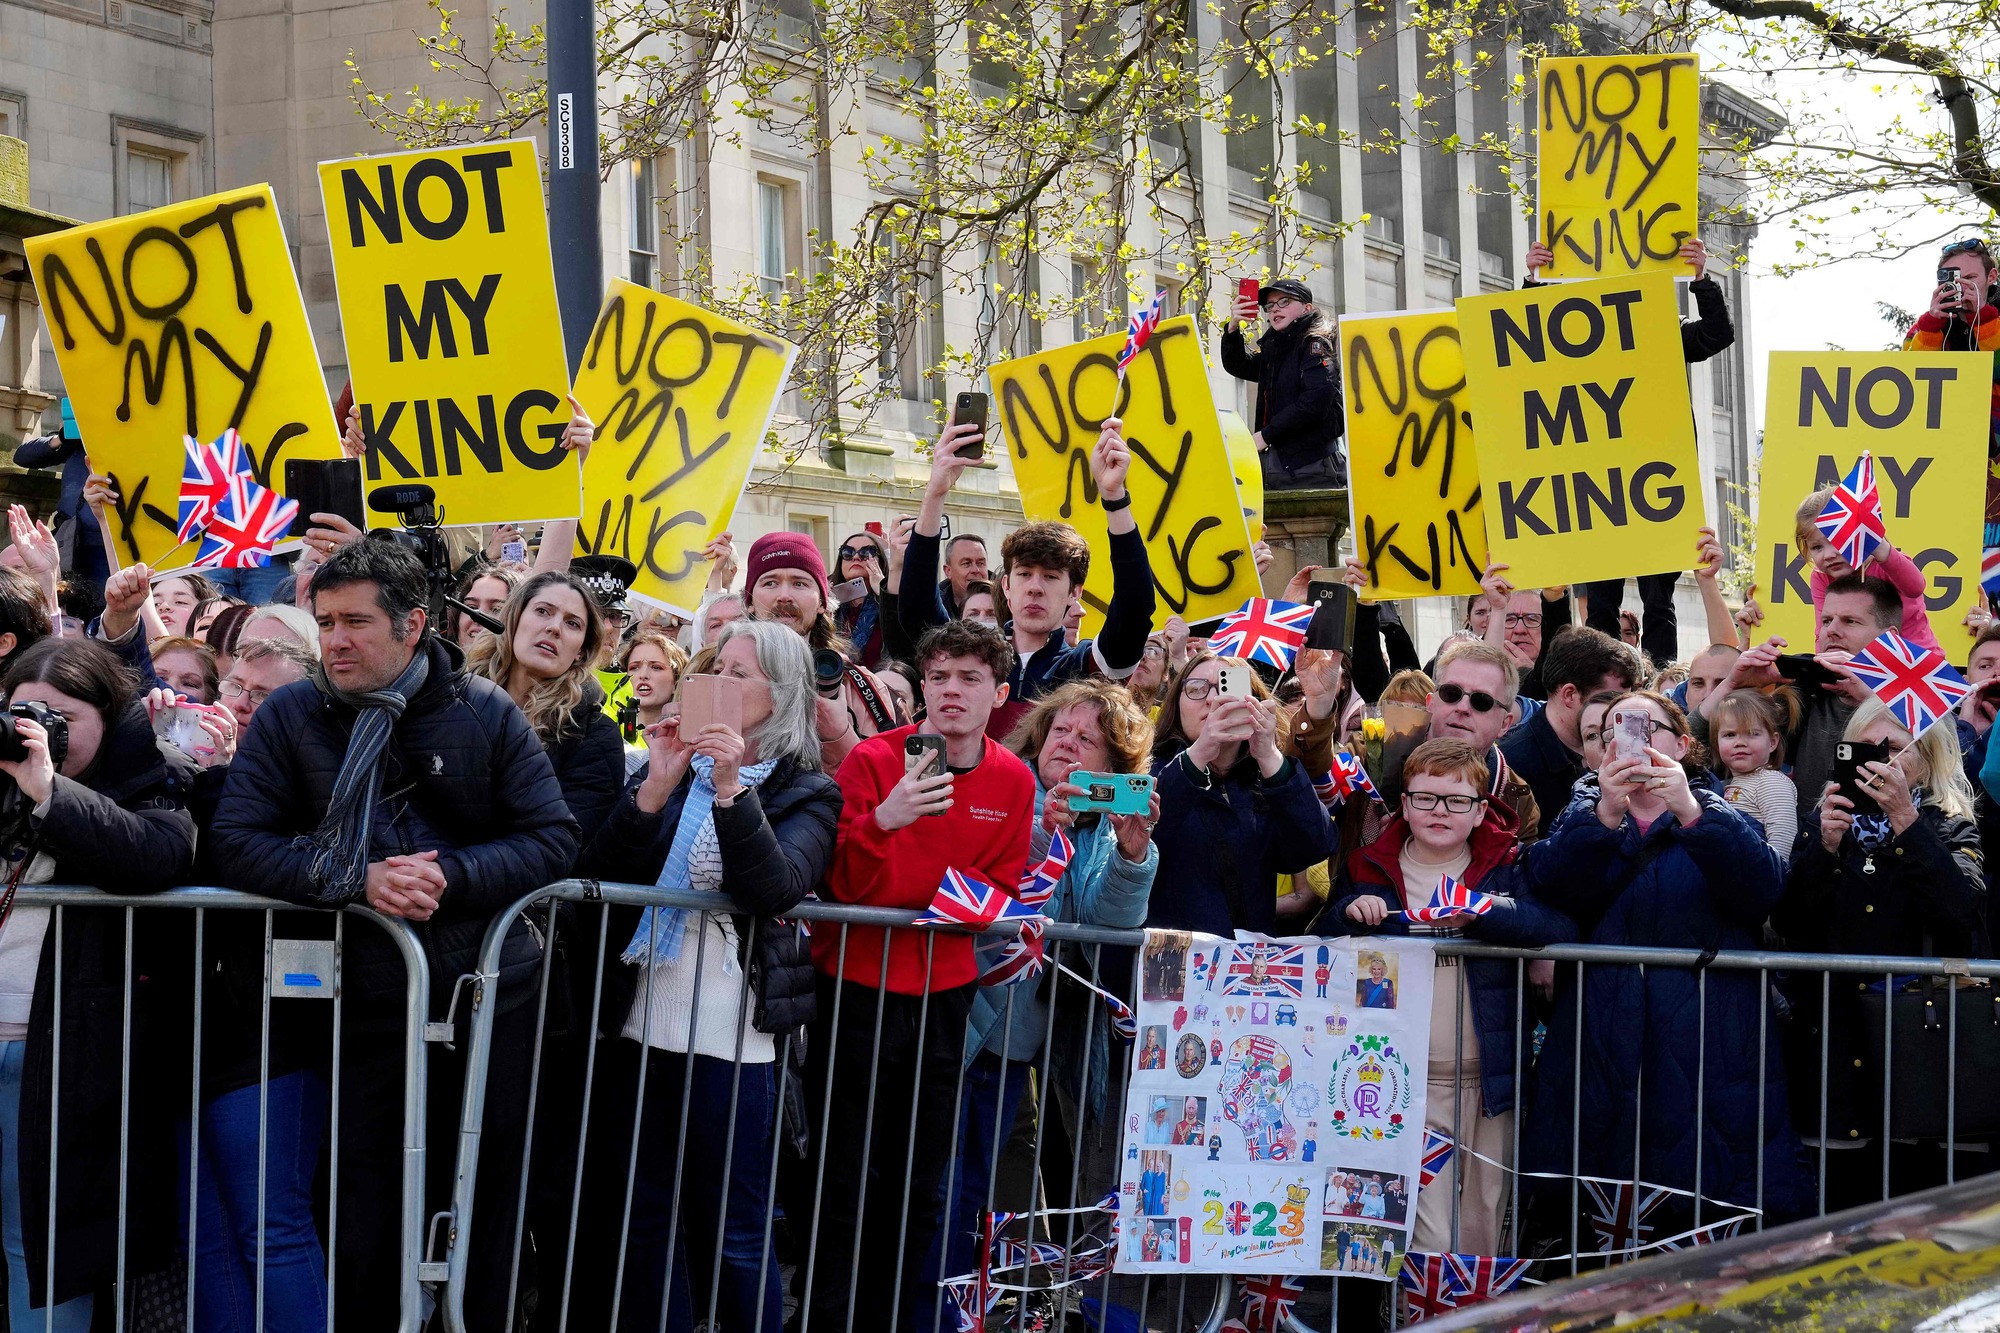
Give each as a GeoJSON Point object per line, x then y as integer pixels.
{"type": "Point", "coordinates": [644, 251]}
{"type": "Point", "coordinates": [902, 326]}
{"type": "Point", "coordinates": [778, 241]}
{"type": "Point", "coordinates": [154, 167]}
{"type": "Point", "coordinates": [13, 117]}
{"type": "Point", "coordinates": [1083, 288]}
{"type": "Point", "coordinates": [1176, 293]}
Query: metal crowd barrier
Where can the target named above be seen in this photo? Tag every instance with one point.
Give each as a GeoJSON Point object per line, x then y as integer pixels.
{"type": "Point", "coordinates": [1180, 1303]}
{"type": "Point", "coordinates": [131, 1310]}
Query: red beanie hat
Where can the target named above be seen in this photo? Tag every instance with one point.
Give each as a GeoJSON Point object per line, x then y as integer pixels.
{"type": "Point", "coordinates": [786, 550]}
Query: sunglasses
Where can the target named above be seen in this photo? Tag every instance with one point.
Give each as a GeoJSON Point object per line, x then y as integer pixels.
{"type": "Point", "coordinates": [1975, 246]}
{"type": "Point", "coordinates": [1482, 702]}
{"type": "Point", "coordinates": [859, 553]}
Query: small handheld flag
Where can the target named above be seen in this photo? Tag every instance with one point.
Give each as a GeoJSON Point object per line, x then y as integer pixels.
{"type": "Point", "coordinates": [1140, 329]}
{"type": "Point", "coordinates": [1437, 1155]}
{"type": "Point", "coordinates": [1450, 899]}
{"type": "Point", "coordinates": [245, 528]}
{"type": "Point", "coordinates": [1852, 519]}
{"type": "Point", "coordinates": [207, 473]}
{"type": "Point", "coordinates": [1346, 779]}
{"type": "Point", "coordinates": [962, 900]}
{"type": "Point", "coordinates": [1989, 571]}
{"type": "Point", "coordinates": [1262, 630]}
{"type": "Point", "coordinates": [1918, 684]}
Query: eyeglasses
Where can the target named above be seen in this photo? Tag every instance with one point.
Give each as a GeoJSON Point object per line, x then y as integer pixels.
{"type": "Point", "coordinates": [1974, 246]}
{"type": "Point", "coordinates": [229, 689]}
{"type": "Point", "coordinates": [859, 553]}
{"type": "Point", "coordinates": [1430, 800]}
{"type": "Point", "coordinates": [1482, 702]}
{"type": "Point", "coordinates": [1278, 303]}
{"type": "Point", "coordinates": [1653, 725]}
{"type": "Point", "coordinates": [1532, 619]}
{"type": "Point", "coordinates": [1198, 690]}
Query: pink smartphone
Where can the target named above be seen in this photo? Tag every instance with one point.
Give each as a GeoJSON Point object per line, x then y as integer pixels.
{"type": "Point", "coordinates": [709, 699]}
{"type": "Point", "coordinates": [1633, 734]}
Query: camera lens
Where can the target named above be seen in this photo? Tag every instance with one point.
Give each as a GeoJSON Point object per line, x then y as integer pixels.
{"type": "Point", "coordinates": [828, 668]}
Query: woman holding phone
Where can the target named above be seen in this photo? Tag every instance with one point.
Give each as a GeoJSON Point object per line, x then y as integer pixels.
{"type": "Point", "coordinates": [862, 563]}
{"type": "Point", "coordinates": [741, 811]}
{"type": "Point", "coordinates": [1898, 873]}
{"type": "Point", "coordinates": [1648, 854]}
{"type": "Point", "coordinates": [1237, 807]}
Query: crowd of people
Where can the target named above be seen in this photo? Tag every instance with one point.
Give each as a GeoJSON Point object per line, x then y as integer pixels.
{"type": "Point", "coordinates": [733, 1114]}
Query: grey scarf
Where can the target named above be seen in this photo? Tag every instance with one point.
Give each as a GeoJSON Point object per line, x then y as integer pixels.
{"type": "Point", "coordinates": [339, 847]}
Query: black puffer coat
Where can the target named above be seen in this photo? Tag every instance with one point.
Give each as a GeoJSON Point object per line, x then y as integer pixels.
{"type": "Point", "coordinates": [1297, 372]}
{"type": "Point", "coordinates": [776, 841]}
{"type": "Point", "coordinates": [125, 828]}
{"type": "Point", "coordinates": [589, 761]}
{"type": "Point", "coordinates": [465, 776]}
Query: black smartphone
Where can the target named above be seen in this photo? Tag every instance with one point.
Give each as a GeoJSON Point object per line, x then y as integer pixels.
{"type": "Point", "coordinates": [1332, 624]}
{"type": "Point", "coordinates": [1805, 671]}
{"type": "Point", "coordinates": [324, 486]}
{"type": "Point", "coordinates": [1848, 757]}
{"type": "Point", "coordinates": [971, 408]}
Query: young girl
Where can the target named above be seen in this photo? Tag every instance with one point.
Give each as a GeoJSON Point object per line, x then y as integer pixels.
{"type": "Point", "coordinates": [1747, 727]}
{"type": "Point", "coordinates": [1886, 563]}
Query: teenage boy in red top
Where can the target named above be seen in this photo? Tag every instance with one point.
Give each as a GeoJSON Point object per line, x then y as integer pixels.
{"type": "Point", "coordinates": [899, 1020]}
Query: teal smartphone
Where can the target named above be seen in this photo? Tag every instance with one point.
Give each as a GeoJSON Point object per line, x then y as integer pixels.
{"type": "Point", "coordinates": [1112, 793]}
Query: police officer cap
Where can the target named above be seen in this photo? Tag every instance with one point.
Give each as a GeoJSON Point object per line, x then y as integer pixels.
{"type": "Point", "coordinates": [607, 577]}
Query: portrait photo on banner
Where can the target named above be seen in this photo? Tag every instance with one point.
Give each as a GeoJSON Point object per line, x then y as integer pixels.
{"type": "Point", "coordinates": [1586, 441]}
{"type": "Point", "coordinates": [1051, 407]}
{"type": "Point", "coordinates": [454, 341]}
{"type": "Point", "coordinates": [1617, 185]}
{"type": "Point", "coordinates": [1924, 418]}
{"type": "Point", "coordinates": [178, 323]}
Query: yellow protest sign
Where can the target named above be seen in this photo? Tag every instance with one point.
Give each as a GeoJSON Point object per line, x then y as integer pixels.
{"type": "Point", "coordinates": [1586, 445]}
{"type": "Point", "coordinates": [1247, 468]}
{"type": "Point", "coordinates": [1924, 415]}
{"type": "Point", "coordinates": [1618, 163]}
{"type": "Point", "coordinates": [1184, 498]}
{"type": "Point", "coordinates": [448, 306]}
{"type": "Point", "coordinates": [1413, 475]}
{"type": "Point", "coordinates": [184, 320]}
{"type": "Point", "coordinates": [682, 398]}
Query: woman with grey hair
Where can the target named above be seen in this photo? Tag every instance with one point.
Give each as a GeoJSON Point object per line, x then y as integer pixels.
{"type": "Point", "coordinates": [710, 997]}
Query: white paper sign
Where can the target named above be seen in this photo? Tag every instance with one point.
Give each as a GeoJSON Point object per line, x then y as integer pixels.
{"type": "Point", "coordinates": [1275, 1118]}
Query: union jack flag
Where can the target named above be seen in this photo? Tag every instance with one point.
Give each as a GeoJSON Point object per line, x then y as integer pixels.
{"type": "Point", "coordinates": [1852, 519]}
{"type": "Point", "coordinates": [1918, 684]}
{"type": "Point", "coordinates": [1707, 1235]}
{"type": "Point", "coordinates": [1481, 1277]}
{"type": "Point", "coordinates": [1038, 883]}
{"type": "Point", "coordinates": [207, 473]}
{"type": "Point", "coordinates": [1620, 1225]}
{"type": "Point", "coordinates": [1019, 957]}
{"type": "Point", "coordinates": [1438, 1149]}
{"type": "Point", "coordinates": [1989, 570]}
{"type": "Point", "coordinates": [241, 532]}
{"type": "Point", "coordinates": [972, 903]}
{"type": "Point", "coordinates": [1449, 899]}
{"type": "Point", "coordinates": [1347, 778]}
{"type": "Point", "coordinates": [1122, 1021]}
{"type": "Point", "coordinates": [1282, 971]}
{"type": "Point", "coordinates": [1262, 630]}
{"type": "Point", "coordinates": [1427, 1285]}
{"type": "Point", "coordinates": [1141, 328]}
{"type": "Point", "coordinates": [1268, 1299]}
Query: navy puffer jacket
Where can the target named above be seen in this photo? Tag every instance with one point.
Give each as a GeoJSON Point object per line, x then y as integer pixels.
{"type": "Point", "coordinates": [1708, 885]}
{"type": "Point", "coordinates": [466, 776]}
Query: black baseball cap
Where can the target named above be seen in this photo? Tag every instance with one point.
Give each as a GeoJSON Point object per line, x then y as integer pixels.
{"type": "Point", "coordinates": [1291, 287]}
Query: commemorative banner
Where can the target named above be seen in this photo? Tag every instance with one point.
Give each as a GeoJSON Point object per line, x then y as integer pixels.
{"type": "Point", "coordinates": [1274, 1122]}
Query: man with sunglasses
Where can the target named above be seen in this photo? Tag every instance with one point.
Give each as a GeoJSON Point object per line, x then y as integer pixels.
{"type": "Point", "coordinates": [1298, 418]}
{"type": "Point", "coordinates": [1472, 702]}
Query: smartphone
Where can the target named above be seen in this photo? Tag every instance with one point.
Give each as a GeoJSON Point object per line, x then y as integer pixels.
{"type": "Point", "coordinates": [705, 700]}
{"type": "Point", "coordinates": [324, 486]}
{"type": "Point", "coordinates": [514, 552]}
{"type": "Point", "coordinates": [1332, 624]}
{"type": "Point", "coordinates": [851, 591]}
{"type": "Point", "coordinates": [917, 751]}
{"type": "Point", "coordinates": [1232, 680]}
{"type": "Point", "coordinates": [1805, 671]}
{"type": "Point", "coordinates": [178, 726]}
{"type": "Point", "coordinates": [971, 408]}
{"type": "Point", "coordinates": [1112, 793]}
{"type": "Point", "coordinates": [1248, 289]}
{"type": "Point", "coordinates": [873, 528]}
{"type": "Point", "coordinates": [1848, 757]}
{"type": "Point", "coordinates": [1948, 277]}
{"type": "Point", "coordinates": [1631, 733]}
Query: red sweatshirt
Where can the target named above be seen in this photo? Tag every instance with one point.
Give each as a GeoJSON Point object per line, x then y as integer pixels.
{"type": "Point", "coordinates": [985, 833]}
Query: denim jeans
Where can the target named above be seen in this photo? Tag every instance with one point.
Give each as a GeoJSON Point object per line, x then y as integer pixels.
{"type": "Point", "coordinates": [254, 586]}
{"type": "Point", "coordinates": [72, 1316]}
{"type": "Point", "coordinates": [993, 1089]}
{"type": "Point", "coordinates": [225, 1241]}
{"type": "Point", "coordinates": [733, 1205]}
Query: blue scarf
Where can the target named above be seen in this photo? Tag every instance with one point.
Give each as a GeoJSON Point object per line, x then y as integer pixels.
{"type": "Point", "coordinates": [697, 816]}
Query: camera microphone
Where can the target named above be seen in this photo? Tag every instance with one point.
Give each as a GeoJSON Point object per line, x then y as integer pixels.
{"type": "Point", "coordinates": [395, 499]}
